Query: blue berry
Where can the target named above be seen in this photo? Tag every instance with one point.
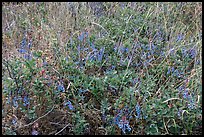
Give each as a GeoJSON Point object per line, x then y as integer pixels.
{"type": "Point", "coordinates": [22, 51]}
{"type": "Point", "coordinates": [138, 110]}
{"type": "Point", "coordinates": [60, 87]}
{"type": "Point", "coordinates": [69, 105]}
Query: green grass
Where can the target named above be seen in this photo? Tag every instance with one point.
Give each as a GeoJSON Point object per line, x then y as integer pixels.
{"type": "Point", "coordinates": [98, 66]}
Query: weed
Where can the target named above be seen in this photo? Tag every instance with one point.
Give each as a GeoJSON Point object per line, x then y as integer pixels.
{"type": "Point", "coordinates": [103, 68]}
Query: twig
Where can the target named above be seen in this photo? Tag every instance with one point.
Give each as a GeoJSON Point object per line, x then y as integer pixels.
{"type": "Point", "coordinates": [198, 99]}
{"type": "Point", "coordinates": [55, 123]}
{"type": "Point", "coordinates": [97, 109]}
{"type": "Point", "coordinates": [37, 119]}
{"type": "Point", "coordinates": [68, 86]}
{"type": "Point", "coordinates": [100, 26]}
{"type": "Point", "coordinates": [62, 129]}
{"type": "Point", "coordinates": [56, 71]}
{"type": "Point", "coordinates": [170, 99]}
{"type": "Point", "coordinates": [161, 87]}
{"type": "Point", "coordinates": [8, 26]}
{"type": "Point", "coordinates": [101, 66]}
{"type": "Point", "coordinates": [183, 113]}
{"type": "Point", "coordinates": [165, 126]}
{"type": "Point", "coordinates": [72, 90]}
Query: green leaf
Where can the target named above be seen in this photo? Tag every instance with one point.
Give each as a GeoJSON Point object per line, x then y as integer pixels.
{"type": "Point", "coordinates": [37, 54]}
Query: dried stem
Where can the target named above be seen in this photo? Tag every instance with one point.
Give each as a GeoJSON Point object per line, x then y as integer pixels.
{"type": "Point", "coordinates": [37, 119]}
{"type": "Point", "coordinates": [62, 129]}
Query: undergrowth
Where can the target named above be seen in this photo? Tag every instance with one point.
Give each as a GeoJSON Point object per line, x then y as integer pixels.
{"type": "Point", "coordinates": [102, 68]}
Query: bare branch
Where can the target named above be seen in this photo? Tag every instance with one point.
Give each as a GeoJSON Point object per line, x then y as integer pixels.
{"type": "Point", "coordinates": [37, 119]}
{"type": "Point", "coordinates": [62, 129]}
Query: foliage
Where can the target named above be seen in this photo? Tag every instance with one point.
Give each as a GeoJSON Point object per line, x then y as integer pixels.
{"type": "Point", "coordinates": [102, 68]}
